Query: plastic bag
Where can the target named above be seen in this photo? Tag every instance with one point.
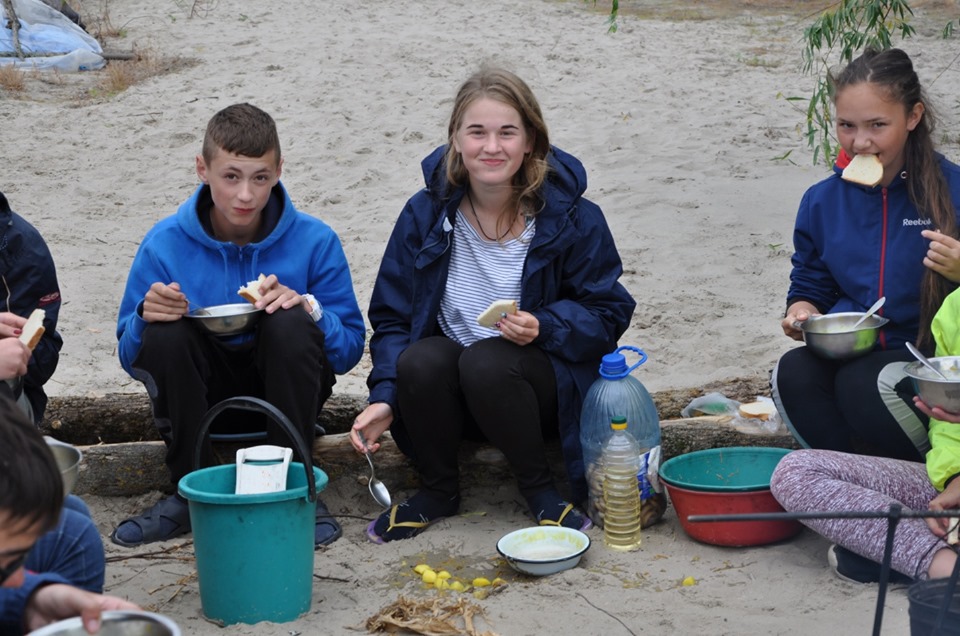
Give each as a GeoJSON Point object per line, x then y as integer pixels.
{"type": "Point", "coordinates": [711, 404]}
{"type": "Point", "coordinates": [773, 423]}
{"type": "Point", "coordinates": [51, 38]}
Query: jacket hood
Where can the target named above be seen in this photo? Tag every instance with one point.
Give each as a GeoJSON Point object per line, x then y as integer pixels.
{"type": "Point", "coordinates": [566, 181]}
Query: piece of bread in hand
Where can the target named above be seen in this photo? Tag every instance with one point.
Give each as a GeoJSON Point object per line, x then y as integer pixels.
{"type": "Point", "coordinates": [33, 330]}
{"type": "Point", "coordinates": [757, 410]}
{"type": "Point", "coordinates": [953, 534]}
{"type": "Point", "coordinates": [492, 314]}
{"type": "Point", "coordinates": [865, 170]}
{"type": "Point", "coordinates": [251, 291]}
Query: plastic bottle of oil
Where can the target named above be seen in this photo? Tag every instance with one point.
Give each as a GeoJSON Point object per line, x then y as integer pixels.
{"type": "Point", "coordinates": [621, 462]}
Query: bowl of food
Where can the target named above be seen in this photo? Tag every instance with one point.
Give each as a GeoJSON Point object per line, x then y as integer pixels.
{"type": "Point", "coordinates": [115, 623]}
{"type": "Point", "coordinates": [542, 550]}
{"type": "Point", "coordinates": [226, 320]}
{"type": "Point", "coordinates": [935, 391]}
{"type": "Point", "coordinates": [68, 460]}
{"type": "Point", "coordinates": [732, 480]}
{"type": "Point", "coordinates": [832, 336]}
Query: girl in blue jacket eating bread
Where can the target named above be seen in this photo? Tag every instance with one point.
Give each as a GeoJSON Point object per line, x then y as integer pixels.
{"type": "Point", "coordinates": [855, 243]}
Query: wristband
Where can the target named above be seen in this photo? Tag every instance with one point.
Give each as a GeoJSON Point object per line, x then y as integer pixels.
{"type": "Point", "coordinates": [316, 309]}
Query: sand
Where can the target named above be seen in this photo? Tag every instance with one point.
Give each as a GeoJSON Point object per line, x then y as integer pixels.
{"type": "Point", "coordinates": [691, 149]}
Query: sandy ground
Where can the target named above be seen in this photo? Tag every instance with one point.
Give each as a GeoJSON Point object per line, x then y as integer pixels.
{"type": "Point", "coordinates": [691, 150]}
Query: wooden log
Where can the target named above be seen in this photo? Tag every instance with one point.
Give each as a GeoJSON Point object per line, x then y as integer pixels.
{"type": "Point", "coordinates": [126, 417]}
{"type": "Point", "coordinates": [133, 468]}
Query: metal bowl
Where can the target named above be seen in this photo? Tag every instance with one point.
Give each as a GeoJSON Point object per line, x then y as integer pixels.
{"type": "Point", "coordinates": [68, 460]}
{"type": "Point", "coordinates": [226, 320]}
{"type": "Point", "coordinates": [933, 390]}
{"type": "Point", "coordinates": [832, 335]}
{"type": "Point", "coordinates": [117, 623]}
{"type": "Point", "coordinates": [543, 550]}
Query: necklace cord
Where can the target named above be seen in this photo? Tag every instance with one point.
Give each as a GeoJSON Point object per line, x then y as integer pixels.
{"type": "Point", "coordinates": [473, 210]}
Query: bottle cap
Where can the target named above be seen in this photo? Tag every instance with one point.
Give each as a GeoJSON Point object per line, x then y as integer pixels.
{"type": "Point", "coordinates": [613, 366]}
{"type": "Point", "coordinates": [618, 423]}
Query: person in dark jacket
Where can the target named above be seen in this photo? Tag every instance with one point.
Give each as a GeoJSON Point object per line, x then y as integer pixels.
{"type": "Point", "coordinates": [29, 279]}
{"type": "Point", "coordinates": [502, 217]}
{"type": "Point", "coordinates": [856, 243]}
{"type": "Point", "coordinates": [31, 508]}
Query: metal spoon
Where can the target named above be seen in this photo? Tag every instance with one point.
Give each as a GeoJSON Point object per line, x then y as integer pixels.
{"type": "Point", "coordinates": [922, 358]}
{"type": "Point", "coordinates": [377, 489]}
{"type": "Point", "coordinates": [873, 309]}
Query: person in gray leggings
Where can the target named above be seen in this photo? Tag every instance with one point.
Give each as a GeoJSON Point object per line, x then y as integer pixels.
{"type": "Point", "coordinates": [830, 481]}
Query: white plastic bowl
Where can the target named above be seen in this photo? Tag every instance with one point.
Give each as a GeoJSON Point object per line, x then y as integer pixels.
{"type": "Point", "coordinates": [543, 550]}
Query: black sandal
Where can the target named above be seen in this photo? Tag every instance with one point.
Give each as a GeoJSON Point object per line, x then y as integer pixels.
{"type": "Point", "coordinates": [167, 519]}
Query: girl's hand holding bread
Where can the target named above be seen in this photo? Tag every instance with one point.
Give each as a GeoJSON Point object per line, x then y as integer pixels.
{"type": "Point", "coordinates": [267, 293]}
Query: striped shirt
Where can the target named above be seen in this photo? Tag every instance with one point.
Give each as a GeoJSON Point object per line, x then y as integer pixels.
{"type": "Point", "coordinates": [481, 272]}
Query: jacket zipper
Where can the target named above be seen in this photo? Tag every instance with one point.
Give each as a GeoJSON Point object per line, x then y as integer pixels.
{"type": "Point", "coordinates": [883, 259]}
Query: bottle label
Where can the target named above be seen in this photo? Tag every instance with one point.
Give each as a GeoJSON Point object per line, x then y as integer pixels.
{"type": "Point", "coordinates": [648, 479]}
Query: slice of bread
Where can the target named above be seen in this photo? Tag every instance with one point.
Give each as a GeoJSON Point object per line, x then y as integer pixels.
{"type": "Point", "coordinates": [492, 314]}
{"type": "Point", "coordinates": [32, 331]}
{"type": "Point", "coordinates": [953, 535]}
{"type": "Point", "coordinates": [251, 291]}
{"type": "Point", "coordinates": [865, 170]}
{"type": "Point", "coordinates": [757, 410]}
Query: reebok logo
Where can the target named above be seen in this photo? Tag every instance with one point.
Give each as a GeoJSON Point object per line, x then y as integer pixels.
{"type": "Point", "coordinates": [907, 222]}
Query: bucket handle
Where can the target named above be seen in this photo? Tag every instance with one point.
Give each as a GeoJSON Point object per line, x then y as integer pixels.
{"type": "Point", "coordinates": [638, 351]}
{"type": "Point", "coordinates": [250, 403]}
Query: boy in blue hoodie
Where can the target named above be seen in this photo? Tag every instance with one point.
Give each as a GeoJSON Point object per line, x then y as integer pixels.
{"type": "Point", "coordinates": [239, 223]}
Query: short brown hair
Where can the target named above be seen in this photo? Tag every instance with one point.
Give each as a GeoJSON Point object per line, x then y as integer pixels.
{"type": "Point", "coordinates": [32, 492]}
{"type": "Point", "coordinates": [241, 129]}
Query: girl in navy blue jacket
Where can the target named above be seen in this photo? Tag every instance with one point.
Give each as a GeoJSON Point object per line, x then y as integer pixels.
{"type": "Point", "coordinates": [502, 217]}
{"type": "Point", "coordinates": [854, 244]}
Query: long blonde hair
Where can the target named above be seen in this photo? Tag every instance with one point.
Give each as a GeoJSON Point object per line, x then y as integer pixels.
{"type": "Point", "coordinates": [505, 87]}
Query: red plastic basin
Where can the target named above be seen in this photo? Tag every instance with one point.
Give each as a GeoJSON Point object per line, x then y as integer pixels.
{"type": "Point", "coordinates": [730, 533]}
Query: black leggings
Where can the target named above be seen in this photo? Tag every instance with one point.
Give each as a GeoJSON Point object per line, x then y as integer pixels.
{"type": "Point", "coordinates": [837, 405]}
{"type": "Point", "coordinates": [185, 372]}
{"type": "Point", "coordinates": [493, 390]}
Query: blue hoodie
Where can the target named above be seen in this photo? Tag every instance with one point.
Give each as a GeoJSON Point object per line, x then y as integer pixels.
{"type": "Point", "coordinates": [303, 252]}
{"type": "Point", "coordinates": [854, 244]}
{"type": "Point", "coordinates": [570, 283]}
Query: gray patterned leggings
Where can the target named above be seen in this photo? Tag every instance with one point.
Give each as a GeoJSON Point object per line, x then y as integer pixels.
{"type": "Point", "coordinates": [821, 480]}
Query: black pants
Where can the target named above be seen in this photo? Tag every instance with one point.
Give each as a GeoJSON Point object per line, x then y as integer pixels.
{"type": "Point", "coordinates": [186, 372]}
{"type": "Point", "coordinates": [837, 405]}
{"type": "Point", "coordinates": [492, 390]}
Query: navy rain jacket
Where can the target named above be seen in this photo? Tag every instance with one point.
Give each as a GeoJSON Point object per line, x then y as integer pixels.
{"type": "Point", "coordinates": [570, 283]}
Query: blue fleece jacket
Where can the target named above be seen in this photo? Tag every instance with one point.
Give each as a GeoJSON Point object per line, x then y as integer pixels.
{"type": "Point", "coordinates": [303, 252]}
{"type": "Point", "coordinates": [854, 244]}
{"type": "Point", "coordinates": [570, 283]}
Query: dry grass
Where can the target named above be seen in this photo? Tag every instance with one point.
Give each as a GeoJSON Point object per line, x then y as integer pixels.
{"type": "Point", "coordinates": [11, 79]}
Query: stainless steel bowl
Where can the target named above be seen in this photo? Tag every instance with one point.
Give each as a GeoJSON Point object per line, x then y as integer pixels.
{"type": "Point", "coordinates": [832, 335]}
{"type": "Point", "coordinates": [125, 623]}
{"type": "Point", "coordinates": [226, 320]}
{"type": "Point", "coordinates": [933, 390]}
{"type": "Point", "coordinates": [68, 460]}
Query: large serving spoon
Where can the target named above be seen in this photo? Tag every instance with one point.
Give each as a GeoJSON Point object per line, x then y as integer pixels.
{"type": "Point", "coordinates": [873, 309]}
{"type": "Point", "coordinates": [377, 489]}
{"type": "Point", "coordinates": [922, 358]}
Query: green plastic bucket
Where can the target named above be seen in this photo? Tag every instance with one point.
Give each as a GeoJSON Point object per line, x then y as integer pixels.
{"type": "Point", "coordinates": [254, 552]}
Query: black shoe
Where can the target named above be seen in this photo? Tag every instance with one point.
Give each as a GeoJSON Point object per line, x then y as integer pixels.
{"type": "Point", "coordinates": [854, 568]}
{"type": "Point", "coordinates": [327, 529]}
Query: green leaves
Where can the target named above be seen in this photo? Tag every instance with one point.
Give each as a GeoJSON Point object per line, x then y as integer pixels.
{"type": "Point", "coordinates": [836, 36]}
